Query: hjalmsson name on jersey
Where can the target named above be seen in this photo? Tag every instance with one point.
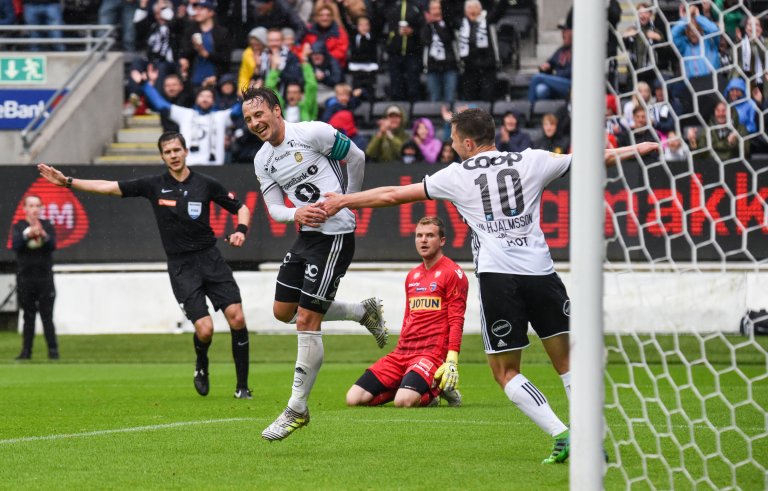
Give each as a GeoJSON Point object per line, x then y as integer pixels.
{"type": "Point", "coordinates": [426, 303]}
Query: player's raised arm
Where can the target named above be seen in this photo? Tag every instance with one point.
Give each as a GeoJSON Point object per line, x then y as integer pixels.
{"type": "Point", "coordinates": [374, 198]}
{"type": "Point", "coordinates": [613, 155]}
{"type": "Point", "coordinates": [58, 178]}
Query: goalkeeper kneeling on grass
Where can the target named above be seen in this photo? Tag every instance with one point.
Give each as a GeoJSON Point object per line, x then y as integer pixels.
{"type": "Point", "coordinates": [424, 365]}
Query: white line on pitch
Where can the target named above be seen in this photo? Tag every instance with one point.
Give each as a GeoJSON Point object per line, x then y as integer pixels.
{"type": "Point", "coordinates": [121, 430]}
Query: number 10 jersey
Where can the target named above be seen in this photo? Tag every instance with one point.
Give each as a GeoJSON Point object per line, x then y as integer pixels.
{"type": "Point", "coordinates": [305, 166]}
{"type": "Point", "coordinates": [499, 196]}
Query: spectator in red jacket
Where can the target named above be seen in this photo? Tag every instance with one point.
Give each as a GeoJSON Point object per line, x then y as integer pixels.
{"type": "Point", "coordinates": [330, 32]}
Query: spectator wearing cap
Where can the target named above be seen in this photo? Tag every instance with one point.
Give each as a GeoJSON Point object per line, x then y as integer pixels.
{"type": "Point", "coordinates": [477, 51]}
{"type": "Point", "coordinates": [386, 144]}
{"type": "Point", "coordinates": [554, 78]}
{"type": "Point", "coordinates": [404, 23]}
{"type": "Point", "coordinates": [510, 137]}
{"type": "Point", "coordinates": [252, 64]}
{"type": "Point", "coordinates": [112, 12]}
{"type": "Point", "coordinates": [438, 39]}
{"type": "Point", "coordinates": [327, 71]}
{"type": "Point", "coordinates": [300, 103]}
{"type": "Point", "coordinates": [330, 32]}
{"type": "Point", "coordinates": [206, 47]}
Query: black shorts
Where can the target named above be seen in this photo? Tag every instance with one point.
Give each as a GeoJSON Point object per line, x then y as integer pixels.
{"type": "Point", "coordinates": [199, 275]}
{"type": "Point", "coordinates": [508, 302]}
{"type": "Point", "coordinates": [312, 269]}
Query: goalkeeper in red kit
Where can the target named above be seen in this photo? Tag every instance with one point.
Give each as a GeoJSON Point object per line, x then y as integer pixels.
{"type": "Point", "coordinates": [424, 364]}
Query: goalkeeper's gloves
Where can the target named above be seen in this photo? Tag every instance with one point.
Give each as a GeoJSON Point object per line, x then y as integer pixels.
{"type": "Point", "coordinates": [448, 373]}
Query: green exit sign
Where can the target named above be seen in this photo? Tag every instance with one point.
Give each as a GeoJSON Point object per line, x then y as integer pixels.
{"type": "Point", "coordinates": [22, 69]}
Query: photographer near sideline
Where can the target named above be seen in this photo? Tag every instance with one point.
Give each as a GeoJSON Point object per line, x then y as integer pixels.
{"type": "Point", "coordinates": [34, 241]}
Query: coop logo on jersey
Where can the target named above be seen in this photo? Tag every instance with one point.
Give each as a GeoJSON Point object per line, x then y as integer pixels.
{"type": "Point", "coordinates": [298, 156]}
{"type": "Point", "coordinates": [501, 328]}
{"type": "Point", "coordinates": [425, 303]}
{"type": "Point", "coordinates": [194, 208]}
{"type": "Point", "coordinates": [61, 207]}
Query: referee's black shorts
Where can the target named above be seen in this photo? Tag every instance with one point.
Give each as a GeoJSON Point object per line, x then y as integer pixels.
{"type": "Point", "coordinates": [202, 274]}
{"type": "Point", "coordinates": [508, 302]}
{"type": "Point", "coordinates": [312, 269]}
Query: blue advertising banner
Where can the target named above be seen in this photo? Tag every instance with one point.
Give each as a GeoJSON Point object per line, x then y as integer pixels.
{"type": "Point", "coordinates": [20, 106]}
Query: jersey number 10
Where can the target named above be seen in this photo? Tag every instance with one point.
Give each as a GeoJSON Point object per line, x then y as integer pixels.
{"type": "Point", "coordinates": [503, 190]}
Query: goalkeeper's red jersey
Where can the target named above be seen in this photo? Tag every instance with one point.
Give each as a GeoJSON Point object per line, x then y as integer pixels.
{"type": "Point", "coordinates": [436, 300]}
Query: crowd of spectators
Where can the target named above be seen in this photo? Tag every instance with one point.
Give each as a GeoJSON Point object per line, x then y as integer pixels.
{"type": "Point", "coordinates": [694, 78]}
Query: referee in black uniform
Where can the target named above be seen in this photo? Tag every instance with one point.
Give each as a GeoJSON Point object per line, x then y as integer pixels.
{"type": "Point", "coordinates": [34, 241]}
{"type": "Point", "coordinates": [181, 201]}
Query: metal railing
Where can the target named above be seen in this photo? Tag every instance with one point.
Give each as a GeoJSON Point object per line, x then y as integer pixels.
{"type": "Point", "coordinates": [96, 41]}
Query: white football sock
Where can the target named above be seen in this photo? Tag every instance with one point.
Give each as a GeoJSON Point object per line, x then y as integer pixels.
{"type": "Point", "coordinates": [309, 359]}
{"type": "Point", "coordinates": [533, 404]}
{"type": "Point", "coordinates": [344, 311]}
{"type": "Point", "coordinates": [566, 378]}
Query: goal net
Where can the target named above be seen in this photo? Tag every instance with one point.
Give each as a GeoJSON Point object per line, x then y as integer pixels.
{"type": "Point", "coordinates": [687, 251]}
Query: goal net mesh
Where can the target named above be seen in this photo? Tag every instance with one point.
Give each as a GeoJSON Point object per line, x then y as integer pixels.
{"type": "Point", "coordinates": [687, 255]}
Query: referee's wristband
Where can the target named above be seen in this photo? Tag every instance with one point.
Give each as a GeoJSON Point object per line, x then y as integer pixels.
{"type": "Point", "coordinates": [68, 182]}
{"type": "Point", "coordinates": [243, 229]}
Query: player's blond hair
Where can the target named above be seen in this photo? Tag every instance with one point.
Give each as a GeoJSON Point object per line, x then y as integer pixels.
{"type": "Point", "coordinates": [434, 221]}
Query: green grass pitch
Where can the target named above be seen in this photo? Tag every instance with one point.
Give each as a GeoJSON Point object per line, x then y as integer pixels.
{"type": "Point", "coordinates": [120, 412]}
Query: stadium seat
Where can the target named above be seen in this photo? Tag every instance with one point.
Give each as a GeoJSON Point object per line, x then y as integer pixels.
{"type": "Point", "coordinates": [547, 106]}
{"type": "Point", "coordinates": [534, 133]}
{"type": "Point", "coordinates": [424, 109]}
{"type": "Point", "coordinates": [485, 105]}
{"type": "Point", "coordinates": [522, 107]}
{"type": "Point", "coordinates": [363, 114]}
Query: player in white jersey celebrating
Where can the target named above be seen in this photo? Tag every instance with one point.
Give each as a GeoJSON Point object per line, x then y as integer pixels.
{"type": "Point", "coordinates": [303, 161]}
{"type": "Point", "coordinates": [498, 194]}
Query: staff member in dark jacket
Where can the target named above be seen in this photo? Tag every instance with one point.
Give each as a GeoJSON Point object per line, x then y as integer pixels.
{"type": "Point", "coordinates": [34, 241]}
{"type": "Point", "coordinates": [181, 200]}
{"type": "Point", "coordinates": [404, 22]}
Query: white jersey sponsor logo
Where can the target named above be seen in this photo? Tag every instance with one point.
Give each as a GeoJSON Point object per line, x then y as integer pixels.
{"type": "Point", "coordinates": [499, 196]}
{"type": "Point", "coordinates": [308, 174]}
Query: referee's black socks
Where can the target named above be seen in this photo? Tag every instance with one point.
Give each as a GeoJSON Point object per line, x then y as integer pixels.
{"type": "Point", "coordinates": [240, 354]}
{"type": "Point", "coordinates": [201, 349]}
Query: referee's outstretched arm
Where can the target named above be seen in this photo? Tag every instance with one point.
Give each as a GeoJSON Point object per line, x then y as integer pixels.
{"type": "Point", "coordinates": [56, 177]}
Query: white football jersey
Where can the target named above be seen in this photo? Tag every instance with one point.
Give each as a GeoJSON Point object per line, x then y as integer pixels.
{"type": "Point", "coordinates": [306, 165]}
{"type": "Point", "coordinates": [499, 196]}
{"type": "Point", "coordinates": [204, 133]}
